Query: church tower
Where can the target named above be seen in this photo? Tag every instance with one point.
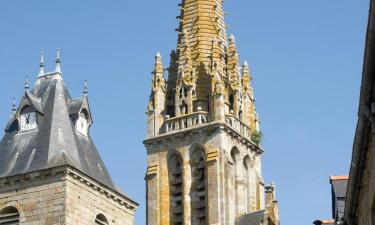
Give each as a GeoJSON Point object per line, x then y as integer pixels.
{"type": "Point", "coordinates": [50, 169]}
{"type": "Point", "coordinates": [203, 141]}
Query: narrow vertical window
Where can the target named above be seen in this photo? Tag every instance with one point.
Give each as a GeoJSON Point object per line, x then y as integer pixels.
{"type": "Point", "coordinates": [176, 190]}
{"type": "Point", "coordinates": [198, 189]}
{"type": "Point", "coordinates": [235, 154]}
{"type": "Point", "coordinates": [101, 220]}
{"type": "Point", "coordinates": [9, 216]}
{"type": "Point", "coordinates": [248, 182]}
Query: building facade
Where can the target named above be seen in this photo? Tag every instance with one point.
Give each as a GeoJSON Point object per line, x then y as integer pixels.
{"type": "Point", "coordinates": [203, 143]}
{"type": "Point", "coordinates": [50, 169]}
{"type": "Point", "coordinates": [360, 201]}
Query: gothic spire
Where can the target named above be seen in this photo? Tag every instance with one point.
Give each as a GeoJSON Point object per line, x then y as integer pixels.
{"type": "Point", "coordinates": [58, 62]}
{"type": "Point", "coordinates": [204, 20]}
{"type": "Point", "coordinates": [185, 60]}
{"type": "Point", "coordinates": [246, 80]}
{"type": "Point", "coordinates": [41, 65]}
{"type": "Point", "coordinates": [158, 74]}
{"type": "Point", "coordinates": [233, 65]}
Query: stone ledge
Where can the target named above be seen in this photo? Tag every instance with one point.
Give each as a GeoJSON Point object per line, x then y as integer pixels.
{"type": "Point", "coordinates": [209, 127]}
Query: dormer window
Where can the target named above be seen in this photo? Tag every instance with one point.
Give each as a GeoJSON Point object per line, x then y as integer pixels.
{"type": "Point", "coordinates": [82, 124]}
{"type": "Point", "coordinates": [28, 120]}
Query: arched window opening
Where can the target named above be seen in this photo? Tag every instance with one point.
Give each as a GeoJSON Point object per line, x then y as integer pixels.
{"type": "Point", "coordinates": [231, 103]}
{"type": "Point", "coordinates": [184, 108]}
{"type": "Point", "coordinates": [248, 169]}
{"type": "Point", "coordinates": [175, 188]}
{"type": "Point", "coordinates": [101, 220]}
{"type": "Point", "coordinates": [235, 154]}
{"type": "Point", "coordinates": [9, 216]}
{"type": "Point", "coordinates": [198, 192]}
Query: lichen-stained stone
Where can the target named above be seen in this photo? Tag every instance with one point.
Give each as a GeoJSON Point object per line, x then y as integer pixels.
{"type": "Point", "coordinates": [50, 170]}
{"type": "Point", "coordinates": [204, 114]}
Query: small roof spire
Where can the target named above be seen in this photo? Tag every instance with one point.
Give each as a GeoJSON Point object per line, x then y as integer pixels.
{"type": "Point", "coordinates": [58, 61]}
{"type": "Point", "coordinates": [41, 65]}
{"type": "Point", "coordinates": [27, 83]}
{"type": "Point", "coordinates": [14, 107]}
{"type": "Point", "coordinates": [85, 89]}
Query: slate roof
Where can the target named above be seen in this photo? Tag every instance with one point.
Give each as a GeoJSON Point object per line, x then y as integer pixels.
{"type": "Point", "coordinates": [339, 188]}
{"type": "Point", "coordinates": [254, 218]}
{"type": "Point", "coordinates": [55, 142]}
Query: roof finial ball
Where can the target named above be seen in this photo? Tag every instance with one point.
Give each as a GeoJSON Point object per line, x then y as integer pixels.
{"type": "Point", "coordinates": [58, 61]}
{"type": "Point", "coordinates": [85, 89]}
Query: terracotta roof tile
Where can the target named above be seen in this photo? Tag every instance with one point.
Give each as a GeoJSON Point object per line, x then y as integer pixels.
{"type": "Point", "coordinates": [333, 178]}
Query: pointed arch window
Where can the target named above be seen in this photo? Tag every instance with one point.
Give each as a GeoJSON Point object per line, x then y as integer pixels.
{"type": "Point", "coordinates": [175, 168]}
{"type": "Point", "coordinates": [198, 192]}
{"type": "Point", "coordinates": [9, 216]}
{"type": "Point", "coordinates": [101, 220]}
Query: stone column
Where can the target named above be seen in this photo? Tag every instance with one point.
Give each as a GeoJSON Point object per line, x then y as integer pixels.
{"type": "Point", "coordinates": [213, 184]}
{"type": "Point", "coordinates": [152, 194]}
{"type": "Point", "coordinates": [186, 188]}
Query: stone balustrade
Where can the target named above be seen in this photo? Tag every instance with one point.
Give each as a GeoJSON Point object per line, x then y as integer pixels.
{"type": "Point", "coordinates": [186, 121]}
{"type": "Point", "coordinates": [238, 126]}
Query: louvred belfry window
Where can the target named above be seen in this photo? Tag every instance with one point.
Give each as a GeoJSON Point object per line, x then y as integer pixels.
{"type": "Point", "coordinates": [9, 216]}
{"type": "Point", "coordinates": [101, 220]}
{"type": "Point", "coordinates": [175, 187]}
{"type": "Point", "coordinates": [198, 189]}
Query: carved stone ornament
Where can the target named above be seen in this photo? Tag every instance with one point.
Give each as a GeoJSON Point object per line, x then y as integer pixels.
{"type": "Point", "coordinates": [219, 88]}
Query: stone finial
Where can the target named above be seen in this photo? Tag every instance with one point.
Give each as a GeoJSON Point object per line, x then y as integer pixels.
{"type": "Point", "coordinates": [41, 65]}
{"type": "Point", "coordinates": [232, 39]}
{"type": "Point", "coordinates": [58, 61]}
{"type": "Point", "coordinates": [14, 107]}
{"type": "Point", "coordinates": [85, 88]}
{"type": "Point", "coordinates": [27, 83]}
{"type": "Point", "coordinates": [158, 73]}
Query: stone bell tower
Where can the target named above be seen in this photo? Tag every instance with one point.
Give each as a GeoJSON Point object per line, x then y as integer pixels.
{"type": "Point", "coordinates": [50, 170]}
{"type": "Point", "coordinates": [203, 143]}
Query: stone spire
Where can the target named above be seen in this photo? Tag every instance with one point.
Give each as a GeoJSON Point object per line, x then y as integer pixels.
{"type": "Point", "coordinates": [158, 79]}
{"type": "Point", "coordinates": [156, 105]}
{"type": "Point", "coordinates": [185, 69]}
{"type": "Point", "coordinates": [201, 26]}
{"type": "Point", "coordinates": [204, 20]}
{"type": "Point", "coordinates": [246, 80]}
{"type": "Point", "coordinates": [250, 114]}
{"type": "Point", "coordinates": [233, 66]}
{"type": "Point", "coordinates": [41, 65]}
{"type": "Point", "coordinates": [58, 62]}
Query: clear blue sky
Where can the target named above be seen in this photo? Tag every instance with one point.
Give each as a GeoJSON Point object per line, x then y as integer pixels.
{"type": "Point", "coordinates": [306, 57]}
